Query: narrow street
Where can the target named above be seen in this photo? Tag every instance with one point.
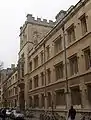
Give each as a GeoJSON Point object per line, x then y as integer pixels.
{"type": "Point", "coordinates": [25, 118]}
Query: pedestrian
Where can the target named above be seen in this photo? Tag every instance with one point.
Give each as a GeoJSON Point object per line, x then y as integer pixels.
{"type": "Point", "coordinates": [72, 113]}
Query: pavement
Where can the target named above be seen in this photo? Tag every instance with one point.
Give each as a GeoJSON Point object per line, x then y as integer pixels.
{"type": "Point", "coordinates": [34, 118]}
{"type": "Point", "coordinates": [25, 119]}
{"type": "Point", "coordinates": [5, 119]}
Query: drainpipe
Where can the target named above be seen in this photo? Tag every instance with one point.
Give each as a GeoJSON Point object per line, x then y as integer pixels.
{"type": "Point", "coordinates": [66, 73]}
{"type": "Point", "coordinates": [45, 106]}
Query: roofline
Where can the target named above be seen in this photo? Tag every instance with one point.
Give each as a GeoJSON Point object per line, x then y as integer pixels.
{"type": "Point", "coordinates": [10, 75]}
{"type": "Point", "coordinates": [26, 22]}
{"type": "Point", "coordinates": [60, 23]}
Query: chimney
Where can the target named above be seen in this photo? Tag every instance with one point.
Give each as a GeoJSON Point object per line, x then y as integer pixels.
{"type": "Point", "coordinates": [12, 66]}
{"type": "Point", "coordinates": [60, 15]}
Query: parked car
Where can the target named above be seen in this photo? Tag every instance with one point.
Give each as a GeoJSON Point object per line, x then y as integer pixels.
{"type": "Point", "coordinates": [8, 112]}
{"type": "Point", "coordinates": [17, 115]}
{"type": "Point", "coordinates": [1, 114]}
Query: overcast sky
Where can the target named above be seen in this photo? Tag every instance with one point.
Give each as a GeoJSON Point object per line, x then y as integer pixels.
{"type": "Point", "coordinates": [12, 16]}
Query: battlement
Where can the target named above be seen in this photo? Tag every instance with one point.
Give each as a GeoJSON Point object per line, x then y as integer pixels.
{"type": "Point", "coordinates": [32, 19]}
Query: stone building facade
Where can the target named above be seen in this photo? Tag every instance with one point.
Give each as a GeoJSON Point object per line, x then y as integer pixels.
{"type": "Point", "coordinates": [55, 60]}
{"type": "Point", "coordinates": [4, 75]}
{"type": "Point", "coordinates": [10, 89]}
{"type": "Point", "coordinates": [31, 34]}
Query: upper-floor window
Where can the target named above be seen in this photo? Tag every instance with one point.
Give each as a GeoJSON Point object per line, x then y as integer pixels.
{"type": "Point", "coordinates": [30, 84]}
{"type": "Point", "coordinates": [10, 81]}
{"type": "Point", "coordinates": [73, 64]}
{"type": "Point", "coordinates": [49, 75]}
{"type": "Point", "coordinates": [47, 52]}
{"type": "Point", "coordinates": [30, 66]}
{"type": "Point", "coordinates": [13, 77]}
{"type": "Point", "coordinates": [36, 62]}
{"type": "Point", "coordinates": [83, 24]}
{"type": "Point", "coordinates": [23, 38]}
{"type": "Point", "coordinates": [42, 57]}
{"type": "Point", "coordinates": [42, 78]}
{"type": "Point", "coordinates": [87, 55]}
{"type": "Point", "coordinates": [71, 34]}
{"type": "Point", "coordinates": [16, 90]}
{"type": "Point", "coordinates": [22, 56]}
{"type": "Point", "coordinates": [59, 70]}
{"type": "Point", "coordinates": [22, 69]}
{"type": "Point", "coordinates": [36, 81]}
{"type": "Point", "coordinates": [58, 44]}
{"type": "Point", "coordinates": [16, 76]}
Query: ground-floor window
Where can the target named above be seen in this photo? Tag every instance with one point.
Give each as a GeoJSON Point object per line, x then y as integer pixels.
{"type": "Point", "coordinates": [30, 101]}
{"type": "Point", "coordinates": [49, 99]}
{"type": "Point", "coordinates": [36, 101]}
{"type": "Point", "coordinates": [75, 96]}
{"type": "Point", "coordinates": [42, 100]}
{"type": "Point", "coordinates": [60, 97]}
{"type": "Point", "coordinates": [89, 93]}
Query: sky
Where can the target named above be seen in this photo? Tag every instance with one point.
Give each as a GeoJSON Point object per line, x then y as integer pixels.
{"type": "Point", "coordinates": [13, 15]}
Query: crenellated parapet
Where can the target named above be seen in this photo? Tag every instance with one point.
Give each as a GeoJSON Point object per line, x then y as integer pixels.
{"type": "Point", "coordinates": [44, 22]}
{"type": "Point", "coordinates": [30, 19]}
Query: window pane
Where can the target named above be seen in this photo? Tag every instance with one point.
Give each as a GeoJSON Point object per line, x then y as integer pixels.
{"type": "Point", "coordinates": [36, 62]}
{"type": "Point", "coordinates": [87, 58]}
{"type": "Point", "coordinates": [71, 34]}
{"type": "Point", "coordinates": [42, 100]}
{"type": "Point", "coordinates": [42, 59]}
{"type": "Point", "coordinates": [60, 97]}
{"type": "Point", "coordinates": [76, 96]}
{"type": "Point", "coordinates": [30, 84]}
{"type": "Point", "coordinates": [36, 81]}
{"type": "Point", "coordinates": [73, 65]}
{"type": "Point", "coordinates": [42, 78]}
{"type": "Point", "coordinates": [36, 101]}
{"type": "Point", "coordinates": [49, 99]}
{"type": "Point", "coordinates": [83, 24]}
{"type": "Point", "coordinates": [30, 66]}
{"type": "Point", "coordinates": [59, 71]}
{"type": "Point", "coordinates": [58, 44]}
{"type": "Point", "coordinates": [49, 75]}
{"type": "Point", "coordinates": [48, 52]}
